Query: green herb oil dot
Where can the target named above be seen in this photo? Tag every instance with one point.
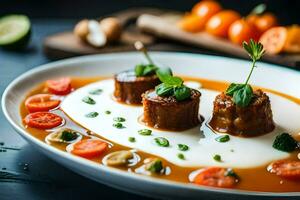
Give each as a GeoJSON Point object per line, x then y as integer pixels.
{"type": "Point", "coordinates": [145, 132]}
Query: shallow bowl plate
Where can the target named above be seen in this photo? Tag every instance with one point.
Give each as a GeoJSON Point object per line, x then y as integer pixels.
{"type": "Point", "coordinates": [208, 67]}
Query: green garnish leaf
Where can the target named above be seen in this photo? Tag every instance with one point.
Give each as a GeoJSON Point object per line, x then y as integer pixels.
{"type": "Point", "coordinates": [154, 166]}
{"type": "Point", "coordinates": [68, 135]}
{"type": "Point", "coordinates": [285, 142]}
{"type": "Point", "coordinates": [181, 156]}
{"type": "Point", "coordinates": [119, 119]}
{"type": "Point", "coordinates": [89, 100]}
{"type": "Point", "coordinates": [223, 138]}
{"type": "Point", "coordinates": [164, 74]}
{"type": "Point", "coordinates": [92, 114]}
{"type": "Point", "coordinates": [183, 147]}
{"type": "Point", "coordinates": [144, 70]}
{"type": "Point", "coordinates": [242, 93]}
{"type": "Point", "coordinates": [164, 90]}
{"type": "Point", "coordinates": [163, 142]}
{"type": "Point", "coordinates": [181, 93]}
{"type": "Point", "coordinates": [259, 9]}
{"type": "Point", "coordinates": [96, 92]}
{"type": "Point", "coordinates": [217, 158]}
{"type": "Point", "coordinates": [233, 87]}
{"type": "Point", "coordinates": [107, 112]}
{"type": "Point", "coordinates": [118, 125]}
{"type": "Point", "coordinates": [131, 139]}
{"type": "Point", "coordinates": [243, 96]}
{"type": "Point", "coordinates": [145, 132]}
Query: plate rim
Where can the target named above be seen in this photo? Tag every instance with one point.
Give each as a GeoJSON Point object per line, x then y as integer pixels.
{"type": "Point", "coordinates": [173, 185]}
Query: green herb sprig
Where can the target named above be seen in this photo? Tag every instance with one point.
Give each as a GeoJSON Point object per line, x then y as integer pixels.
{"type": "Point", "coordinates": [171, 85]}
{"type": "Point", "coordinates": [242, 93]}
{"type": "Point", "coordinates": [144, 69]}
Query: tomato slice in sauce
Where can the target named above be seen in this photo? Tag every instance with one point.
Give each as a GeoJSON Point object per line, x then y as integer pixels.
{"type": "Point", "coordinates": [60, 86]}
{"type": "Point", "coordinates": [89, 148]}
{"type": "Point", "coordinates": [43, 120]}
{"type": "Point", "coordinates": [41, 102]}
{"type": "Point", "coordinates": [285, 169]}
{"type": "Point", "coordinates": [215, 177]}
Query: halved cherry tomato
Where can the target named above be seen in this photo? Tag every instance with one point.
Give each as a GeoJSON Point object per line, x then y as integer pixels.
{"type": "Point", "coordinates": [241, 31]}
{"type": "Point", "coordinates": [286, 169]}
{"type": "Point", "coordinates": [215, 177]}
{"type": "Point", "coordinates": [89, 148]}
{"type": "Point", "coordinates": [219, 24]}
{"type": "Point", "coordinates": [205, 10]}
{"type": "Point", "coordinates": [292, 44]}
{"type": "Point", "coordinates": [274, 39]}
{"type": "Point", "coordinates": [61, 86]}
{"type": "Point", "coordinates": [43, 120]}
{"type": "Point", "coordinates": [41, 102]}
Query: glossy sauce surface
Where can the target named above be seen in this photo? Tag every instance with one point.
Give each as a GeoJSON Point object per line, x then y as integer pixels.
{"type": "Point", "coordinates": [255, 179]}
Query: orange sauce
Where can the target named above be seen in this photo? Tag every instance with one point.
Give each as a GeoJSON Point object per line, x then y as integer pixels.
{"type": "Point", "coordinates": [254, 179]}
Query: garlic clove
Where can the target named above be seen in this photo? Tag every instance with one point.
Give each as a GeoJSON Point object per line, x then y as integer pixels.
{"type": "Point", "coordinates": [96, 36]}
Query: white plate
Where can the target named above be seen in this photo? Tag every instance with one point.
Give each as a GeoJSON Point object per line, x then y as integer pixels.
{"type": "Point", "coordinates": [209, 67]}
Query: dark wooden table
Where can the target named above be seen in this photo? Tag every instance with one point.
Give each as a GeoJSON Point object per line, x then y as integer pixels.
{"type": "Point", "coordinates": [26, 173]}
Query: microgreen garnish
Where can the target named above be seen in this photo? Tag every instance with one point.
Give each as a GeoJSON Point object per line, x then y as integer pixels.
{"type": "Point", "coordinates": [231, 173]}
{"type": "Point", "coordinates": [183, 147]}
{"type": "Point", "coordinates": [68, 135]}
{"type": "Point", "coordinates": [242, 93]}
{"type": "Point", "coordinates": [92, 114]}
{"type": "Point", "coordinates": [223, 138]}
{"type": "Point", "coordinates": [96, 91]}
{"type": "Point", "coordinates": [131, 139]}
{"type": "Point", "coordinates": [144, 69]}
{"type": "Point", "coordinates": [89, 100]}
{"type": "Point", "coordinates": [181, 156]}
{"type": "Point", "coordinates": [145, 132]}
{"type": "Point", "coordinates": [217, 158]}
{"type": "Point", "coordinates": [118, 125]}
{"type": "Point", "coordinates": [107, 112]}
{"type": "Point", "coordinates": [119, 119]}
{"type": "Point", "coordinates": [154, 166]}
{"type": "Point", "coordinates": [171, 85]}
{"type": "Point", "coordinates": [163, 142]}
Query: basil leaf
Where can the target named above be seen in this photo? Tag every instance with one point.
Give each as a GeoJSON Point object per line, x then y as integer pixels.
{"type": "Point", "coordinates": [89, 100]}
{"type": "Point", "coordinates": [243, 96]}
{"type": "Point", "coordinates": [164, 74]}
{"type": "Point", "coordinates": [68, 135]}
{"type": "Point", "coordinates": [182, 93]}
{"type": "Point", "coordinates": [92, 114]}
{"type": "Point", "coordinates": [139, 70]}
{"type": "Point", "coordinates": [163, 142]}
{"type": "Point", "coordinates": [164, 90]}
{"type": "Point", "coordinates": [232, 88]}
{"type": "Point", "coordinates": [149, 69]}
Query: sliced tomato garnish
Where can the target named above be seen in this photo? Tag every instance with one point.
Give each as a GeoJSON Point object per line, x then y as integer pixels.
{"type": "Point", "coordinates": [274, 39]}
{"type": "Point", "coordinates": [286, 169]}
{"type": "Point", "coordinates": [61, 86]}
{"type": "Point", "coordinates": [41, 102]}
{"type": "Point", "coordinates": [43, 120]}
{"type": "Point", "coordinates": [89, 148]}
{"type": "Point", "coordinates": [215, 177]}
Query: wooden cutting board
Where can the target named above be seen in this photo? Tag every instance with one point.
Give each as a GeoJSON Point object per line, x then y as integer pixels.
{"type": "Point", "coordinates": [151, 26]}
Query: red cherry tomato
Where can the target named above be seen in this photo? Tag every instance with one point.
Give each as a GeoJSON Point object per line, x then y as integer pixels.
{"type": "Point", "coordinates": [215, 177]}
{"type": "Point", "coordinates": [285, 169]}
{"type": "Point", "coordinates": [61, 86]}
{"type": "Point", "coordinates": [43, 120]}
{"type": "Point", "coordinates": [219, 24]}
{"type": "Point", "coordinates": [41, 102]}
{"type": "Point", "coordinates": [241, 31]}
{"type": "Point", "coordinates": [89, 148]}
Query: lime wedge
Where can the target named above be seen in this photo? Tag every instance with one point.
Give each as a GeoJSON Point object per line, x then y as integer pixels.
{"type": "Point", "coordinates": [14, 31]}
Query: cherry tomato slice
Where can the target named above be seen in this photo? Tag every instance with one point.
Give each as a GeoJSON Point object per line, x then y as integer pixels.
{"type": "Point", "coordinates": [88, 148]}
{"type": "Point", "coordinates": [43, 120]}
{"type": "Point", "coordinates": [215, 177]}
{"type": "Point", "coordinates": [241, 31]}
{"type": "Point", "coordinates": [274, 40]}
{"type": "Point", "coordinates": [41, 102]}
{"type": "Point", "coordinates": [61, 86]}
{"type": "Point", "coordinates": [285, 169]}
